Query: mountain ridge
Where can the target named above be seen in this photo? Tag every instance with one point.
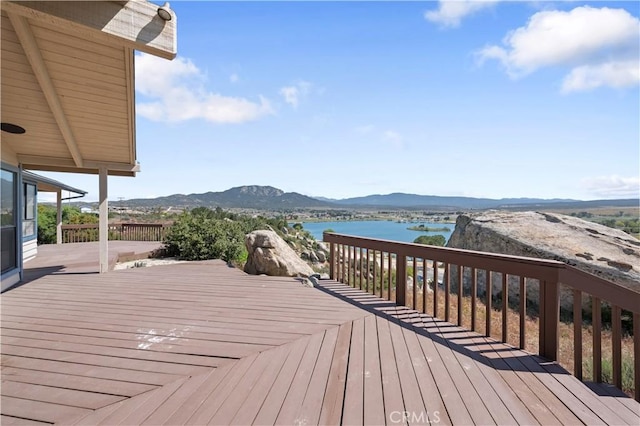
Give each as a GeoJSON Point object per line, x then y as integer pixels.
{"type": "Point", "coordinates": [262, 197]}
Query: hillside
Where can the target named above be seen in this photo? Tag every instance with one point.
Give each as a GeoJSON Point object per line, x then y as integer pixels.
{"type": "Point", "coordinates": [270, 198]}
{"type": "Point", "coordinates": [413, 200]}
{"type": "Point", "coordinates": [248, 197]}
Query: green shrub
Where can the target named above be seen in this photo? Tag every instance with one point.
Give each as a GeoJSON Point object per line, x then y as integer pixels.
{"type": "Point", "coordinates": [203, 234]}
{"type": "Point", "coordinates": [199, 237]}
{"type": "Point", "coordinates": [431, 240]}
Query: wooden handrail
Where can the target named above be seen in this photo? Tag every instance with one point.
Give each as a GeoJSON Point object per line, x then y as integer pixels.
{"type": "Point", "coordinates": [346, 267]}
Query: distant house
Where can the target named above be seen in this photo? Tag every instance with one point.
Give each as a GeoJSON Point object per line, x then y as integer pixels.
{"type": "Point", "coordinates": [68, 102]}
{"type": "Point", "coordinates": [88, 210]}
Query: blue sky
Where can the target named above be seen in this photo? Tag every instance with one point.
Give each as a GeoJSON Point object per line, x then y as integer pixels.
{"type": "Point", "coordinates": [340, 99]}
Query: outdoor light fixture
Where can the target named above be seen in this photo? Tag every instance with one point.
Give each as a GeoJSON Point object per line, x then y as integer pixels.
{"type": "Point", "coordinates": [12, 128]}
{"type": "Point", "coordinates": [164, 12]}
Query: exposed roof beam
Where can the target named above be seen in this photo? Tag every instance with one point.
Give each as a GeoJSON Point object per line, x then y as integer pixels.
{"type": "Point", "coordinates": [56, 164]}
{"type": "Point", "coordinates": [135, 24]}
{"type": "Point", "coordinates": [32, 51]}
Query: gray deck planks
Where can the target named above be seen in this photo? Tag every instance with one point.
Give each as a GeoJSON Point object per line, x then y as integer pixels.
{"type": "Point", "coordinates": [311, 407]}
{"type": "Point", "coordinates": [353, 409]}
{"type": "Point", "coordinates": [294, 398]}
{"type": "Point", "coordinates": [259, 392]}
{"type": "Point", "coordinates": [391, 389]}
{"type": "Point", "coordinates": [183, 410]}
{"type": "Point", "coordinates": [214, 401]}
{"type": "Point", "coordinates": [373, 402]}
{"type": "Point", "coordinates": [272, 404]}
{"type": "Point", "coordinates": [38, 410]}
{"type": "Point", "coordinates": [288, 354]}
{"type": "Point", "coordinates": [57, 395]}
{"type": "Point", "coordinates": [334, 393]}
{"type": "Point", "coordinates": [89, 384]}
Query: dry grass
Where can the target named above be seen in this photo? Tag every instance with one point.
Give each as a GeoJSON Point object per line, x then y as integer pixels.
{"type": "Point", "coordinates": [531, 330]}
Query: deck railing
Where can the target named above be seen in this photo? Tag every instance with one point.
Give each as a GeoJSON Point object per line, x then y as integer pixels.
{"type": "Point", "coordinates": [82, 233]}
{"type": "Point", "coordinates": [550, 292]}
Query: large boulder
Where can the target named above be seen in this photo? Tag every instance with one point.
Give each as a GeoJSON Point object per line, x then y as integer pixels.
{"type": "Point", "coordinates": [271, 255]}
{"type": "Point", "coordinates": [608, 253]}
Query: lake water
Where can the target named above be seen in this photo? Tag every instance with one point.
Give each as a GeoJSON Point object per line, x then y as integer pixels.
{"type": "Point", "coordinates": [384, 230]}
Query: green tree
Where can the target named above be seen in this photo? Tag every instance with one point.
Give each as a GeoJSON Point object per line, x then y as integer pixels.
{"type": "Point", "coordinates": [203, 234]}
{"type": "Point", "coordinates": [47, 218]}
{"type": "Point", "coordinates": [431, 240]}
{"type": "Point", "coordinates": [46, 224]}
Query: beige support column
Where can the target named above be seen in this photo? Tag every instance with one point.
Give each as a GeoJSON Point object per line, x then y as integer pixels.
{"type": "Point", "coordinates": [59, 217]}
{"type": "Point", "coordinates": [103, 233]}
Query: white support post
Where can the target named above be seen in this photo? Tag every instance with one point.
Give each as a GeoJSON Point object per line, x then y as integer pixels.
{"type": "Point", "coordinates": [59, 217]}
{"type": "Point", "coordinates": [103, 233]}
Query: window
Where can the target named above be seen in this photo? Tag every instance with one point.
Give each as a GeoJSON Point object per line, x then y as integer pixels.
{"type": "Point", "coordinates": [8, 233]}
{"type": "Point", "coordinates": [30, 211]}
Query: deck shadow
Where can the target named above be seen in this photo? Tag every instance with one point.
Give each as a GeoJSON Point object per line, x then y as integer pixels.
{"type": "Point", "coordinates": [507, 357]}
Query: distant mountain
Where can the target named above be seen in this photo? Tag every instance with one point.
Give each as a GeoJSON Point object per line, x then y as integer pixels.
{"type": "Point", "coordinates": [248, 197]}
{"type": "Point", "coordinates": [417, 201]}
{"type": "Point", "coordinates": [270, 198]}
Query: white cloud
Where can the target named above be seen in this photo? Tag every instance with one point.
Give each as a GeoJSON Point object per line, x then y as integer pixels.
{"type": "Point", "coordinates": [599, 44]}
{"type": "Point", "coordinates": [394, 138]}
{"type": "Point", "coordinates": [613, 186]}
{"type": "Point", "coordinates": [176, 91]}
{"type": "Point", "coordinates": [613, 74]}
{"type": "Point", "coordinates": [234, 78]}
{"type": "Point", "coordinates": [292, 94]}
{"type": "Point", "coordinates": [451, 12]}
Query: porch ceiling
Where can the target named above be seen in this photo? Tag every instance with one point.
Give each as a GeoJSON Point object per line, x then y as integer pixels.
{"type": "Point", "coordinates": [68, 80]}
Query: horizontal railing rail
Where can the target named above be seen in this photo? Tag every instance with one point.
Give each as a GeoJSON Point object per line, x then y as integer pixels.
{"type": "Point", "coordinates": [535, 290]}
{"type": "Point", "coordinates": [82, 233]}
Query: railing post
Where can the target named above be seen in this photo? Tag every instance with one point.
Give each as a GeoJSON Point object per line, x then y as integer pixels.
{"type": "Point", "coordinates": [549, 319]}
{"type": "Point", "coordinates": [401, 279]}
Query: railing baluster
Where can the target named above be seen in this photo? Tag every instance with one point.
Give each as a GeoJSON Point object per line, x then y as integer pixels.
{"type": "Point", "coordinates": [597, 339]}
{"type": "Point", "coordinates": [616, 341]}
{"type": "Point", "coordinates": [415, 284]}
{"type": "Point", "coordinates": [505, 307]}
{"type": "Point", "coordinates": [382, 259]}
{"type": "Point", "coordinates": [474, 297]}
{"type": "Point", "coordinates": [389, 275]}
{"type": "Point", "coordinates": [523, 312]}
{"type": "Point", "coordinates": [375, 271]}
{"type": "Point", "coordinates": [460, 285]}
{"type": "Point", "coordinates": [349, 265]}
{"type": "Point", "coordinates": [361, 269]}
{"type": "Point", "coordinates": [447, 291]}
{"type": "Point", "coordinates": [489, 290]}
{"type": "Point", "coordinates": [341, 263]}
{"type": "Point", "coordinates": [636, 355]}
{"type": "Point", "coordinates": [577, 334]}
{"type": "Point", "coordinates": [424, 285]}
{"type": "Point", "coordinates": [368, 266]}
{"type": "Point", "coordinates": [435, 288]}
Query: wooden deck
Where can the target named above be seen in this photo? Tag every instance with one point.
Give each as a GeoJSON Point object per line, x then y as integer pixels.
{"type": "Point", "coordinates": [200, 342]}
{"type": "Point", "coordinates": [83, 258]}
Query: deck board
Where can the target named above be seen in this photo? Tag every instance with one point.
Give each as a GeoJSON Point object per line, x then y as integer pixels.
{"type": "Point", "coordinates": [200, 342]}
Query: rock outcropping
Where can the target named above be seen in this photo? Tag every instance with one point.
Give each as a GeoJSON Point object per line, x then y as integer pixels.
{"type": "Point", "coordinates": [271, 255]}
{"type": "Point", "coordinates": [608, 253]}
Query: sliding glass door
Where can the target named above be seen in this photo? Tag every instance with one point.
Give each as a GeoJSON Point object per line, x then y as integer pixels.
{"type": "Point", "coordinates": [8, 221]}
